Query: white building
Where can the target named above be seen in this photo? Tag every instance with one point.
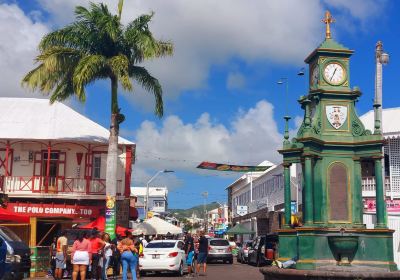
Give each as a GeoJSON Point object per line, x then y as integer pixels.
{"type": "Point", "coordinates": [391, 133]}
{"type": "Point", "coordinates": [158, 199]}
{"type": "Point", "coordinates": [259, 194]}
{"type": "Point", "coordinates": [53, 161]}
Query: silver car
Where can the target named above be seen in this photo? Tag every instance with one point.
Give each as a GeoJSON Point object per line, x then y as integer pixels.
{"type": "Point", "coordinates": [219, 250]}
{"type": "Point", "coordinates": [243, 253]}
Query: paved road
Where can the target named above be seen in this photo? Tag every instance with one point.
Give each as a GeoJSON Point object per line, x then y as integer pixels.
{"type": "Point", "coordinates": [215, 271]}
{"type": "Point", "coordinates": [218, 271]}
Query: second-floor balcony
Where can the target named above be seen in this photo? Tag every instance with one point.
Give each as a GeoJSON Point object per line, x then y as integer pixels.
{"type": "Point", "coordinates": [25, 186]}
{"type": "Point", "coordinates": [369, 187]}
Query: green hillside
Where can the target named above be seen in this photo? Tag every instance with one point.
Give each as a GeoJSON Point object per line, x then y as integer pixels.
{"type": "Point", "coordinates": [198, 210]}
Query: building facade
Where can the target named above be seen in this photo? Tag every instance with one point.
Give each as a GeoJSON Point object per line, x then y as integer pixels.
{"type": "Point", "coordinates": [158, 200]}
{"type": "Point", "coordinates": [257, 198]}
{"type": "Point", "coordinates": [53, 162]}
{"type": "Point", "coordinates": [217, 220]}
{"type": "Point", "coordinates": [391, 134]}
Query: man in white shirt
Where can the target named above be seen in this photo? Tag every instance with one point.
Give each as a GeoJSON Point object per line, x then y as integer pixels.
{"type": "Point", "coordinates": [143, 240]}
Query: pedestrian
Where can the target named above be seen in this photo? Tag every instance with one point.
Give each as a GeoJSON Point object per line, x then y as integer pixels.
{"type": "Point", "coordinates": [61, 255]}
{"type": "Point", "coordinates": [143, 240]}
{"type": "Point", "coordinates": [81, 256]}
{"type": "Point", "coordinates": [116, 263]}
{"type": "Point", "coordinates": [53, 251]}
{"type": "Point", "coordinates": [128, 256]}
{"type": "Point", "coordinates": [106, 257]}
{"type": "Point", "coordinates": [189, 251]}
{"type": "Point", "coordinates": [203, 252]}
{"type": "Point", "coordinates": [139, 248]}
{"type": "Point", "coordinates": [97, 245]}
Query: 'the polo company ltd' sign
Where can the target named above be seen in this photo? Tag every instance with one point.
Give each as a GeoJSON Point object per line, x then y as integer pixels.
{"type": "Point", "coordinates": [54, 210]}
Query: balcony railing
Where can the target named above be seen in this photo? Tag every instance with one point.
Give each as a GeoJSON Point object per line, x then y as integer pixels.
{"type": "Point", "coordinates": [55, 185]}
{"type": "Point", "coordinates": [369, 184]}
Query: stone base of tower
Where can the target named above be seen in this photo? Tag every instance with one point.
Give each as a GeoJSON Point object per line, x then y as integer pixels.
{"type": "Point", "coordinates": [338, 249]}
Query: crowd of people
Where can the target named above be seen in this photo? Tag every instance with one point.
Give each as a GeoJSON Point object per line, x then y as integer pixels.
{"type": "Point", "coordinates": [92, 254]}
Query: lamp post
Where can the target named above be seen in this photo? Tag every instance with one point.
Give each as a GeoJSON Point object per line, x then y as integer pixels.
{"type": "Point", "coordinates": [147, 189]}
{"type": "Point", "coordinates": [381, 58]}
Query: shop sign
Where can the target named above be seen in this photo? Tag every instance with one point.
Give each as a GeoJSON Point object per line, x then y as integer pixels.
{"type": "Point", "coordinates": [392, 206]}
{"type": "Point", "coordinates": [111, 219]}
{"type": "Point", "coordinates": [54, 210]}
{"type": "Point", "coordinates": [241, 210]}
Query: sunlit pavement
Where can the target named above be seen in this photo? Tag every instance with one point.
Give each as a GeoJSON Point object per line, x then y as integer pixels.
{"type": "Point", "coordinates": [215, 271]}
{"type": "Point", "coordinates": [218, 271]}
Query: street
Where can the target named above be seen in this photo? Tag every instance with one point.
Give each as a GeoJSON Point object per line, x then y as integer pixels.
{"type": "Point", "coordinates": [219, 271]}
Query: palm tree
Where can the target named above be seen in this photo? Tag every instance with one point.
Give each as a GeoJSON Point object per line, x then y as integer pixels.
{"type": "Point", "coordinates": [97, 46]}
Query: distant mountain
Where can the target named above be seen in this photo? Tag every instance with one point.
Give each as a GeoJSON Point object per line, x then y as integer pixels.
{"type": "Point", "coordinates": [198, 210]}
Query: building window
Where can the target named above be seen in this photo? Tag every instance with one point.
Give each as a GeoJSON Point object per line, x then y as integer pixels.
{"type": "Point", "coordinates": [53, 165]}
{"type": "Point", "coordinates": [96, 166]}
{"type": "Point", "coordinates": [159, 203]}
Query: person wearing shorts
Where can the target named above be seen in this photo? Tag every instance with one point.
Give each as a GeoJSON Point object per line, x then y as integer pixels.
{"type": "Point", "coordinates": [203, 252]}
{"type": "Point", "coordinates": [61, 255]}
{"type": "Point", "coordinates": [81, 256]}
{"type": "Point", "coordinates": [189, 250]}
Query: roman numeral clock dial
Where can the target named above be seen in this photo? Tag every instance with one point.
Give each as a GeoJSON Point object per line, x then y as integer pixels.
{"type": "Point", "coordinates": [334, 73]}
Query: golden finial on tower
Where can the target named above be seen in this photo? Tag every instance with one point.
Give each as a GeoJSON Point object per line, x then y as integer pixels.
{"type": "Point", "coordinates": [328, 20]}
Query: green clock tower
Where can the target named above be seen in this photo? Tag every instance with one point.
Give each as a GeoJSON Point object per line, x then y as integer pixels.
{"type": "Point", "coordinates": [330, 145]}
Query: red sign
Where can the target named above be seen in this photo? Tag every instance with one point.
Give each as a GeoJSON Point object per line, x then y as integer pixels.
{"type": "Point", "coordinates": [54, 210]}
{"type": "Point", "coordinates": [391, 205]}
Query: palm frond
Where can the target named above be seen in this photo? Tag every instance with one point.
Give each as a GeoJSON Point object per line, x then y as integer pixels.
{"type": "Point", "coordinates": [89, 69]}
{"type": "Point", "coordinates": [119, 65]}
{"type": "Point", "coordinates": [150, 84]}
{"type": "Point", "coordinates": [141, 41]}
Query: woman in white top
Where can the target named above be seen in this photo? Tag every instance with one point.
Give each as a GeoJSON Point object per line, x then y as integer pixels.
{"type": "Point", "coordinates": [107, 253]}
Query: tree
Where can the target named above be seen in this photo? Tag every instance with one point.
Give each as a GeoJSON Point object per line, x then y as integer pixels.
{"type": "Point", "coordinates": [97, 46]}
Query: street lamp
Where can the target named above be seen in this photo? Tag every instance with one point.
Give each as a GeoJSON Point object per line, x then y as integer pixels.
{"type": "Point", "coordinates": [147, 189]}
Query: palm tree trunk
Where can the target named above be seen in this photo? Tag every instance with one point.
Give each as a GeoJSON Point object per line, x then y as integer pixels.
{"type": "Point", "coordinates": [112, 162]}
{"type": "Point", "coordinates": [112, 156]}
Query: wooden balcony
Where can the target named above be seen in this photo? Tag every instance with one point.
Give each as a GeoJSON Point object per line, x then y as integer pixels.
{"type": "Point", "coordinates": [21, 186]}
{"type": "Point", "coordinates": [368, 186]}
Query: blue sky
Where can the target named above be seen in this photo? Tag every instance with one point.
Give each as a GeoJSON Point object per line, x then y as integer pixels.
{"type": "Point", "coordinates": [222, 102]}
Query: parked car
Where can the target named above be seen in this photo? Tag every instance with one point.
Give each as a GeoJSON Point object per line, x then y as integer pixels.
{"type": "Point", "coordinates": [219, 250]}
{"type": "Point", "coordinates": [163, 255]}
{"type": "Point", "coordinates": [243, 252]}
{"type": "Point", "coordinates": [15, 262]}
{"type": "Point", "coordinates": [263, 250]}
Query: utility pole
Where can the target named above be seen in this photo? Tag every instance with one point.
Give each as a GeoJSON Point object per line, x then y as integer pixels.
{"type": "Point", "coordinates": [205, 218]}
{"type": "Point", "coordinates": [381, 58]}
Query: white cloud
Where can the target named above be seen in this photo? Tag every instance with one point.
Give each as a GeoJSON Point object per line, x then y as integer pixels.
{"type": "Point", "coordinates": [204, 33]}
{"type": "Point", "coordinates": [251, 138]}
{"type": "Point", "coordinates": [235, 81]}
{"type": "Point", "coordinates": [211, 32]}
{"type": "Point", "coordinates": [19, 39]}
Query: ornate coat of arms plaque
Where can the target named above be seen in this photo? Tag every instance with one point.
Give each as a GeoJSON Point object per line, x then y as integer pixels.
{"type": "Point", "coordinates": [336, 115]}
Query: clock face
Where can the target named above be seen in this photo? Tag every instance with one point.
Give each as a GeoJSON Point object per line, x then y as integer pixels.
{"type": "Point", "coordinates": [334, 73]}
{"type": "Point", "coordinates": [315, 75]}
